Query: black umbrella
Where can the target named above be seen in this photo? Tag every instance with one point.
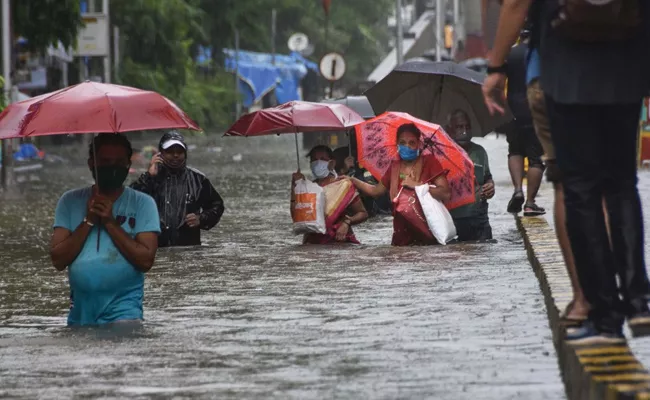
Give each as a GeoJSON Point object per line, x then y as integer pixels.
{"type": "Point", "coordinates": [433, 90]}
{"type": "Point", "coordinates": [360, 104]}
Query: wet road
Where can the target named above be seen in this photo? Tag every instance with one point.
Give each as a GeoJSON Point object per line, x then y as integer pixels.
{"type": "Point", "coordinates": [252, 314]}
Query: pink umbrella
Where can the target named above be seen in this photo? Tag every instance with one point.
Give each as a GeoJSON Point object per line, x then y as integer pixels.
{"type": "Point", "coordinates": [92, 107]}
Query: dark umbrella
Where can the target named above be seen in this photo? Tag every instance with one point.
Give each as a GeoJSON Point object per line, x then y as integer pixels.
{"type": "Point", "coordinates": [432, 90]}
{"type": "Point", "coordinates": [360, 104]}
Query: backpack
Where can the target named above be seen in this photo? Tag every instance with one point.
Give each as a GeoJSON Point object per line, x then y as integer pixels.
{"type": "Point", "coordinates": [597, 20]}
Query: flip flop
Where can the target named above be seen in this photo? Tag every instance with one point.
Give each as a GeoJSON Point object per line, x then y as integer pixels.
{"type": "Point", "coordinates": [568, 322]}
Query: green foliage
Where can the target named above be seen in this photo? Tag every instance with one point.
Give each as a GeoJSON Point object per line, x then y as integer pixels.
{"type": "Point", "coordinates": [160, 37]}
{"type": "Point", "coordinates": [45, 22]}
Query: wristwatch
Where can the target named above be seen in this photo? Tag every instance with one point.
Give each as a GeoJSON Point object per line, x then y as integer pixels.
{"type": "Point", "coordinates": [87, 222]}
{"type": "Point", "coordinates": [501, 69]}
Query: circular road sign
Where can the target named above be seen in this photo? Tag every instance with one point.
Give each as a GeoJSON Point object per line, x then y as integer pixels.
{"type": "Point", "coordinates": [332, 66]}
{"type": "Point", "coordinates": [298, 42]}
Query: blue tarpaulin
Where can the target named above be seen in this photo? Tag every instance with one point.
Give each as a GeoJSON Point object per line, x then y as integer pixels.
{"type": "Point", "coordinates": [258, 75]}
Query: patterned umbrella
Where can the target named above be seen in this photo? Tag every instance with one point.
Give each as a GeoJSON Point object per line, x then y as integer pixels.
{"type": "Point", "coordinates": [377, 148]}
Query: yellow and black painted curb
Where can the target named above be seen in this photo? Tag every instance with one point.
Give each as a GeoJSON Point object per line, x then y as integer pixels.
{"type": "Point", "coordinates": [596, 372]}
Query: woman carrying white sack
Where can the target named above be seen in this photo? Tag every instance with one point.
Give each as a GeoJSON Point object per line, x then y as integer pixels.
{"type": "Point", "coordinates": [343, 206]}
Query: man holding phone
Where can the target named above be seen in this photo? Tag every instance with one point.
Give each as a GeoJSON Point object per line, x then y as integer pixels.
{"type": "Point", "coordinates": [187, 201]}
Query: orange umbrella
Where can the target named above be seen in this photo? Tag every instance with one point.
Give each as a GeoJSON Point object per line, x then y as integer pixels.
{"type": "Point", "coordinates": [377, 149]}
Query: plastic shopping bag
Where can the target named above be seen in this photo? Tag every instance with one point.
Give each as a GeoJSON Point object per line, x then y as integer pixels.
{"type": "Point", "coordinates": [338, 196]}
{"type": "Point", "coordinates": [438, 218]}
{"type": "Point", "coordinates": [309, 214]}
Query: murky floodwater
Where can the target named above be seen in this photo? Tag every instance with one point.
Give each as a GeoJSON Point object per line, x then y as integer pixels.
{"type": "Point", "coordinates": [252, 314]}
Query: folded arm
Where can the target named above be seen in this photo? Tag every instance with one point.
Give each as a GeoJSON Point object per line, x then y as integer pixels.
{"type": "Point", "coordinates": [140, 251]}
{"type": "Point", "coordinates": [65, 246]}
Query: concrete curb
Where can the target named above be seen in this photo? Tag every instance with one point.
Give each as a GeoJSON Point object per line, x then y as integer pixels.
{"type": "Point", "coordinates": [596, 372]}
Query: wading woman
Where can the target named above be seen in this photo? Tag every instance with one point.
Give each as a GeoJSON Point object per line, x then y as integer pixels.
{"type": "Point", "coordinates": [412, 169]}
{"type": "Point", "coordinates": [339, 224]}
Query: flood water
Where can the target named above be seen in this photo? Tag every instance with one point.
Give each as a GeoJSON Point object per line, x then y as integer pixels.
{"type": "Point", "coordinates": [252, 314]}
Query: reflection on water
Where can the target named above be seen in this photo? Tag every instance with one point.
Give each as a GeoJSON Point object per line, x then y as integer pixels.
{"type": "Point", "coordinates": [251, 314]}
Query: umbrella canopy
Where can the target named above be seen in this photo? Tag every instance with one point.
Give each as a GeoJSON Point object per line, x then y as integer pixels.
{"type": "Point", "coordinates": [92, 107]}
{"type": "Point", "coordinates": [377, 149]}
{"type": "Point", "coordinates": [293, 117]}
{"type": "Point", "coordinates": [360, 104]}
{"type": "Point", "coordinates": [433, 90]}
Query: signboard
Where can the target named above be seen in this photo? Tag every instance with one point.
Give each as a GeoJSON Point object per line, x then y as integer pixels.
{"type": "Point", "coordinates": [298, 42]}
{"type": "Point", "coordinates": [93, 40]}
{"type": "Point", "coordinates": [332, 66]}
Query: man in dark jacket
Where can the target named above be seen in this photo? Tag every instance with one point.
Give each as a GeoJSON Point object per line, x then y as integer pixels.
{"type": "Point", "coordinates": [187, 201]}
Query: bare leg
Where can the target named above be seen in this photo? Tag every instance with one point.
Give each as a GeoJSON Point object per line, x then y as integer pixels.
{"type": "Point", "coordinates": [580, 307]}
{"type": "Point", "coordinates": [533, 182]}
{"type": "Point", "coordinates": [516, 168]}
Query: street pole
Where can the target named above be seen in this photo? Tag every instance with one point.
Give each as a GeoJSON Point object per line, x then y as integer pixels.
{"type": "Point", "coordinates": [7, 152]}
{"type": "Point", "coordinates": [439, 29]}
{"type": "Point", "coordinates": [107, 58]}
{"type": "Point", "coordinates": [274, 15]}
{"type": "Point", "coordinates": [457, 28]}
{"type": "Point", "coordinates": [399, 43]}
{"type": "Point", "coordinates": [238, 106]}
{"type": "Point", "coordinates": [116, 51]}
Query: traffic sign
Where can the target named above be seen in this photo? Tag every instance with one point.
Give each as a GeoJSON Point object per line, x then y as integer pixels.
{"type": "Point", "coordinates": [332, 66]}
{"type": "Point", "coordinates": [298, 42]}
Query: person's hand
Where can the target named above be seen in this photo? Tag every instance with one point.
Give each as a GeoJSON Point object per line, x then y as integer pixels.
{"type": "Point", "coordinates": [349, 162]}
{"type": "Point", "coordinates": [410, 182]}
{"type": "Point", "coordinates": [487, 190]}
{"type": "Point", "coordinates": [153, 167]}
{"type": "Point", "coordinates": [494, 94]}
{"type": "Point", "coordinates": [297, 176]}
{"type": "Point", "coordinates": [342, 232]}
{"type": "Point", "coordinates": [100, 209]}
{"type": "Point", "coordinates": [90, 215]}
{"type": "Point", "coordinates": [192, 220]}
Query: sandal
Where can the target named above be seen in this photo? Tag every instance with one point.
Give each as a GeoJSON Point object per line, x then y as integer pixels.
{"type": "Point", "coordinates": [533, 210]}
{"type": "Point", "coordinates": [568, 322]}
{"type": "Point", "coordinates": [516, 201]}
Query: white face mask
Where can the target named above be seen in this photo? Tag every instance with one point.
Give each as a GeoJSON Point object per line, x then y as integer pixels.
{"type": "Point", "coordinates": [320, 169]}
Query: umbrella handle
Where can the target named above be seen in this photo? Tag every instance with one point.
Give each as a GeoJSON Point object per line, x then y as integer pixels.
{"type": "Point", "coordinates": [99, 231]}
{"type": "Point", "coordinates": [297, 151]}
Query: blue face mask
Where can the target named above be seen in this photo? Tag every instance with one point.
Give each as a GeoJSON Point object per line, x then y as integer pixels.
{"type": "Point", "coordinates": [406, 153]}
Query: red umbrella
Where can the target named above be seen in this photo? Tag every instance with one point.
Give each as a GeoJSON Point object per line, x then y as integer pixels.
{"type": "Point", "coordinates": [377, 148]}
{"type": "Point", "coordinates": [294, 117]}
{"type": "Point", "coordinates": [92, 107]}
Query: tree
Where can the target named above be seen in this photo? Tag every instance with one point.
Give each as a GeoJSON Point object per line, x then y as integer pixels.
{"type": "Point", "coordinates": [46, 22]}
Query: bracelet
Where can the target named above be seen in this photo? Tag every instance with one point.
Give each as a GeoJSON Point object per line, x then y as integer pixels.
{"type": "Point", "coordinates": [90, 224]}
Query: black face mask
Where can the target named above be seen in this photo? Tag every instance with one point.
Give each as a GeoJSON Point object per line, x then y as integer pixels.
{"type": "Point", "coordinates": [110, 177]}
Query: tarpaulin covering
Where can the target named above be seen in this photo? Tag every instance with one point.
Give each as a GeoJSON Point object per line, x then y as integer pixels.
{"type": "Point", "coordinates": [258, 75]}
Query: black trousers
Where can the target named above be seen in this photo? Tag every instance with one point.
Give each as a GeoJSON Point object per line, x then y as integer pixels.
{"type": "Point", "coordinates": [596, 154]}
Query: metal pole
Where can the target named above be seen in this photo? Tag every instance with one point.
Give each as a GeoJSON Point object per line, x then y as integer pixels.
{"type": "Point", "coordinates": [107, 59]}
{"type": "Point", "coordinates": [238, 106]}
{"type": "Point", "coordinates": [274, 15]}
{"type": "Point", "coordinates": [7, 153]}
{"type": "Point", "coordinates": [116, 50]}
{"type": "Point", "coordinates": [297, 151]}
{"type": "Point", "coordinates": [457, 28]}
{"type": "Point", "coordinates": [439, 29]}
{"type": "Point", "coordinates": [400, 32]}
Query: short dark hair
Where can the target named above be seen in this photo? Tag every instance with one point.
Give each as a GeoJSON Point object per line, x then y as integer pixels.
{"type": "Point", "coordinates": [459, 113]}
{"type": "Point", "coordinates": [410, 127]}
{"type": "Point", "coordinates": [323, 148]}
{"type": "Point", "coordinates": [115, 139]}
{"type": "Point", "coordinates": [340, 154]}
